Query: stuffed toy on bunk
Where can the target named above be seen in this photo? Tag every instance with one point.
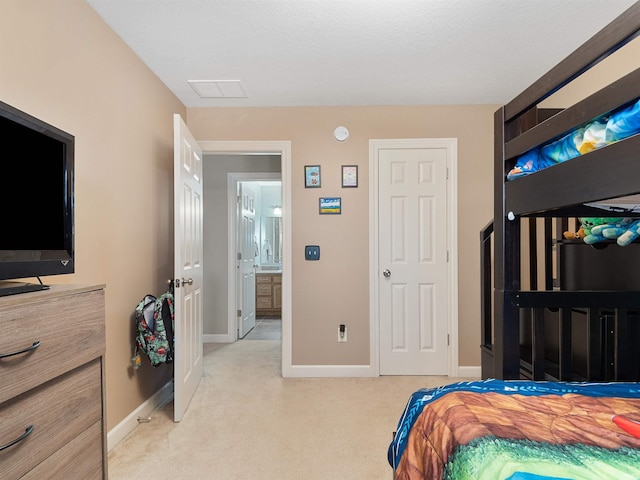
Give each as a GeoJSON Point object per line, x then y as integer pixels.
{"type": "Point", "coordinates": [623, 230]}
{"type": "Point", "coordinates": [587, 224]}
{"type": "Point", "coordinates": [607, 129]}
{"type": "Point", "coordinates": [624, 234]}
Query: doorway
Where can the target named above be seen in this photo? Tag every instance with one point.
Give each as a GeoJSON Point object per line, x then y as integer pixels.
{"type": "Point", "coordinates": [258, 255]}
{"type": "Point", "coordinates": [226, 283]}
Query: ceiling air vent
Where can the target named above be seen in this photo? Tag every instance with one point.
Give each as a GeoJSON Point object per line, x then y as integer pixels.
{"type": "Point", "coordinates": [218, 88]}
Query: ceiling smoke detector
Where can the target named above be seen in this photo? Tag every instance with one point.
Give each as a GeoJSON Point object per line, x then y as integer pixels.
{"type": "Point", "coordinates": [341, 134]}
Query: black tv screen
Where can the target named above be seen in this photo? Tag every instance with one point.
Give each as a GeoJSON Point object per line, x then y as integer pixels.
{"type": "Point", "coordinates": [36, 178]}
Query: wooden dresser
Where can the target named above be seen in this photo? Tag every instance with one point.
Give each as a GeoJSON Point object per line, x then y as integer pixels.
{"type": "Point", "coordinates": [52, 398]}
{"type": "Point", "coordinates": [268, 293]}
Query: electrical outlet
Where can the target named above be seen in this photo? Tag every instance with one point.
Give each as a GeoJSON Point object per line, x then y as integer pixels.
{"type": "Point", "coordinates": [342, 333]}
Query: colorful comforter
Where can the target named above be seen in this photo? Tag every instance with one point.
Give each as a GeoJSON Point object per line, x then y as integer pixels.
{"type": "Point", "coordinates": [618, 125]}
{"type": "Point", "coordinates": [518, 430]}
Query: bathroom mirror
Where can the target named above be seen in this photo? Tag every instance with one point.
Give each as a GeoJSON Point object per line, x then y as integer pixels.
{"type": "Point", "coordinates": [271, 248]}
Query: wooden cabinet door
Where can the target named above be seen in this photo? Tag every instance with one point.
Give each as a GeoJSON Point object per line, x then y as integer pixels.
{"type": "Point", "coordinates": [277, 296]}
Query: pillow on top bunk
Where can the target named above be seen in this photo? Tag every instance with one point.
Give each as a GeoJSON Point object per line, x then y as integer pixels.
{"type": "Point", "coordinates": [620, 124]}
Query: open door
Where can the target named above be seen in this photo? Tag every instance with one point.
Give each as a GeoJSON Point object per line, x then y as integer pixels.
{"type": "Point", "coordinates": [246, 259]}
{"type": "Point", "coordinates": [188, 268]}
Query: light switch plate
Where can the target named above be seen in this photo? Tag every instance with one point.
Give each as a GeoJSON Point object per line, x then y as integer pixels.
{"type": "Point", "coordinates": [312, 252]}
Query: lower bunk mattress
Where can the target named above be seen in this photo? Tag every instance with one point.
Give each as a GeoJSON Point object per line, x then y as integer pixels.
{"type": "Point", "coordinates": [519, 430]}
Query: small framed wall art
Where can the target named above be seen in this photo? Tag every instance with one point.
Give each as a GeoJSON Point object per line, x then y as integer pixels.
{"type": "Point", "coordinates": [349, 176]}
{"type": "Point", "coordinates": [330, 205]}
{"type": "Point", "coordinates": [312, 176]}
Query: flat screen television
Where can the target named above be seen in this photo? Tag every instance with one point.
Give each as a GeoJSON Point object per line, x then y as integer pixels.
{"type": "Point", "coordinates": [37, 210]}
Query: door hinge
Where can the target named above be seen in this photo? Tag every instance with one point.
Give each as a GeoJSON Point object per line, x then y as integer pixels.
{"type": "Point", "coordinates": [239, 255]}
{"type": "Point", "coordinates": [447, 339]}
{"type": "Point", "coordinates": [447, 173]}
{"type": "Point", "coordinates": [239, 313]}
{"type": "Point", "coordinates": [447, 256]}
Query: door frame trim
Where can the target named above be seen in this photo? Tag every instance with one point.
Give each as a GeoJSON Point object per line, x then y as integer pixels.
{"type": "Point", "coordinates": [451, 144]}
{"type": "Point", "coordinates": [282, 148]}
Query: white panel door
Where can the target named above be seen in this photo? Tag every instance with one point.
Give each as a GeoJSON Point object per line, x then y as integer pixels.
{"type": "Point", "coordinates": [247, 248]}
{"type": "Point", "coordinates": [412, 239]}
{"type": "Point", "coordinates": [188, 268]}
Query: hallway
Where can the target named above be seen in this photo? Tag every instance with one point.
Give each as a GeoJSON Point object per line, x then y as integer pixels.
{"type": "Point", "coordinates": [267, 328]}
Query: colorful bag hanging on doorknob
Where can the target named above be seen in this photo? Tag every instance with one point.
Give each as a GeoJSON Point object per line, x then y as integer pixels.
{"type": "Point", "coordinates": [154, 328]}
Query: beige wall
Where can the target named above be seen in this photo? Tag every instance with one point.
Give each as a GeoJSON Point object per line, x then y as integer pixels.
{"type": "Point", "coordinates": [61, 63]}
{"type": "Point", "coordinates": [336, 290]}
{"type": "Point", "coordinates": [618, 64]}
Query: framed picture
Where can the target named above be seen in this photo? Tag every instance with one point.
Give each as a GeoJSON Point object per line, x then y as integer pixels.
{"type": "Point", "coordinates": [312, 176]}
{"type": "Point", "coordinates": [349, 176]}
{"type": "Point", "coordinates": [330, 205]}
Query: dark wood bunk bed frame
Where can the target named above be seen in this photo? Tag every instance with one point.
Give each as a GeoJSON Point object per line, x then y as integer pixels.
{"type": "Point", "coordinates": [533, 333]}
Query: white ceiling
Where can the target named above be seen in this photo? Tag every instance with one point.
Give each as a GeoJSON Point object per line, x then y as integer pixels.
{"type": "Point", "coordinates": [355, 52]}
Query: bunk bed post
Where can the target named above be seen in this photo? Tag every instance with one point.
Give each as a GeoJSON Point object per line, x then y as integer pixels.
{"type": "Point", "coordinates": [537, 343]}
{"type": "Point", "coordinates": [623, 351]}
{"type": "Point", "coordinates": [486, 303]}
{"type": "Point", "coordinates": [548, 254]}
{"type": "Point", "coordinates": [565, 365]}
{"type": "Point", "coordinates": [533, 253]}
{"type": "Point", "coordinates": [565, 362]}
{"type": "Point", "coordinates": [506, 331]}
{"type": "Point", "coordinates": [595, 340]}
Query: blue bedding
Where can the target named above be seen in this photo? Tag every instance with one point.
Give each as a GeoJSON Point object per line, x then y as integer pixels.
{"type": "Point", "coordinates": [618, 125]}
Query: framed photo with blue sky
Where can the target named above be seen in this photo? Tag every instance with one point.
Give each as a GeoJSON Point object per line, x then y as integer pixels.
{"type": "Point", "coordinates": [330, 205]}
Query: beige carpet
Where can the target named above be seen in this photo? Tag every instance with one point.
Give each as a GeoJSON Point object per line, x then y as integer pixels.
{"type": "Point", "coordinates": [247, 422]}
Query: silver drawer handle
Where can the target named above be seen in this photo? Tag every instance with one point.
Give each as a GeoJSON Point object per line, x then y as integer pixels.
{"type": "Point", "coordinates": [24, 350]}
{"type": "Point", "coordinates": [26, 433]}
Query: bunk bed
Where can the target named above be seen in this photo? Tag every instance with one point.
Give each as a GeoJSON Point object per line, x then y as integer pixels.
{"type": "Point", "coordinates": [563, 327]}
{"type": "Point", "coordinates": [560, 345]}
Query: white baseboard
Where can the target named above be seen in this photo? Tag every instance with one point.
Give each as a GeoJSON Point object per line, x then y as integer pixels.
{"type": "Point", "coordinates": [331, 371]}
{"type": "Point", "coordinates": [218, 338]}
{"type": "Point", "coordinates": [126, 426]}
{"type": "Point", "coordinates": [358, 371]}
{"type": "Point", "coordinates": [470, 372]}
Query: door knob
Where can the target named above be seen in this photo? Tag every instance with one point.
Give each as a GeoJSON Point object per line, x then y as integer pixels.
{"type": "Point", "coordinates": [178, 282]}
{"type": "Point", "coordinates": [387, 273]}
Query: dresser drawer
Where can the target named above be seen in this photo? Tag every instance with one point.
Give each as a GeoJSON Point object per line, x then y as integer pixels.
{"type": "Point", "coordinates": [59, 411]}
{"type": "Point", "coordinates": [70, 334]}
{"type": "Point", "coordinates": [86, 453]}
{"type": "Point", "coordinates": [263, 279]}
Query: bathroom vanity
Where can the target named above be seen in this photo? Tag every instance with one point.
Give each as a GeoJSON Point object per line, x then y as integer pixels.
{"type": "Point", "coordinates": [268, 293]}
